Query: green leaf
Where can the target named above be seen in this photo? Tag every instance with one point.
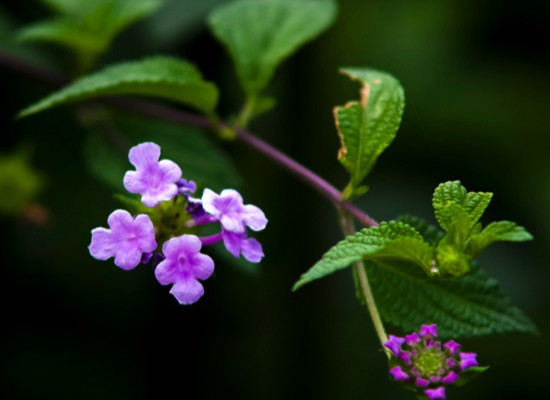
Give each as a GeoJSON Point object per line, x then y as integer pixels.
{"type": "Point", "coordinates": [430, 233]}
{"type": "Point", "coordinates": [472, 305]}
{"type": "Point", "coordinates": [453, 194]}
{"type": "Point", "coordinates": [87, 27]}
{"type": "Point", "coordinates": [501, 231]}
{"type": "Point", "coordinates": [162, 77]}
{"type": "Point", "coordinates": [393, 240]}
{"type": "Point", "coordinates": [445, 195]}
{"type": "Point", "coordinates": [199, 158]}
{"type": "Point", "coordinates": [260, 35]}
{"type": "Point", "coordinates": [475, 204]}
{"type": "Point", "coordinates": [367, 127]}
{"type": "Point", "coordinates": [470, 373]}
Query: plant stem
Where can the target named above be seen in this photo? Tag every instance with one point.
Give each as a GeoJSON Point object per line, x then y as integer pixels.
{"type": "Point", "coordinates": [171, 114]}
{"type": "Point", "coordinates": [346, 223]}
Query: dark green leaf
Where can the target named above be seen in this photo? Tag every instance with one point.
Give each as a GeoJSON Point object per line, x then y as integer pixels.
{"type": "Point", "coordinates": [162, 77]}
{"type": "Point", "coordinates": [472, 305]}
{"type": "Point", "coordinates": [367, 127]}
{"type": "Point", "coordinates": [468, 374]}
{"type": "Point", "coordinates": [87, 27]}
{"type": "Point", "coordinates": [260, 35]}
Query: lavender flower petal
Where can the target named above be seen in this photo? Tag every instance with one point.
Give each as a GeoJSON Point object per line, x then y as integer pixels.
{"type": "Point", "coordinates": [126, 241]}
{"type": "Point", "coordinates": [155, 180]}
{"type": "Point", "coordinates": [184, 264]}
{"type": "Point", "coordinates": [428, 331]}
{"type": "Point", "coordinates": [229, 209]}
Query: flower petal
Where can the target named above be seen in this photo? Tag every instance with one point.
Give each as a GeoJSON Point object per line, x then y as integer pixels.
{"type": "Point", "coordinates": [144, 155]}
{"type": "Point", "coordinates": [252, 250]}
{"type": "Point", "coordinates": [187, 291]}
{"type": "Point", "coordinates": [254, 217]}
{"type": "Point", "coordinates": [102, 245]}
{"type": "Point", "coordinates": [204, 266]}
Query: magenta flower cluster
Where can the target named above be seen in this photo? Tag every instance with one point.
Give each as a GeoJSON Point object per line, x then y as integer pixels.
{"type": "Point", "coordinates": [132, 240]}
{"type": "Point", "coordinates": [425, 364]}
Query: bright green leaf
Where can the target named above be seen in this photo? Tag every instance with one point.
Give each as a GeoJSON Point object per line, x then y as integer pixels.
{"type": "Point", "coordinates": [162, 77]}
{"type": "Point", "coordinates": [475, 204]}
{"type": "Point", "coordinates": [472, 305]}
{"type": "Point", "coordinates": [453, 194]}
{"type": "Point", "coordinates": [393, 240]}
{"type": "Point", "coordinates": [199, 158]}
{"type": "Point", "coordinates": [260, 35]}
{"type": "Point", "coordinates": [367, 127]}
{"type": "Point", "coordinates": [445, 195]}
{"type": "Point", "coordinates": [501, 231]}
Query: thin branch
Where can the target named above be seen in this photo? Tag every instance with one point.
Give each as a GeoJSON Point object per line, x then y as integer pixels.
{"type": "Point", "coordinates": [171, 114]}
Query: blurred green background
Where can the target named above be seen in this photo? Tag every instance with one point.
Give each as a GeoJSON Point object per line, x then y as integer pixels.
{"type": "Point", "coordinates": [478, 109]}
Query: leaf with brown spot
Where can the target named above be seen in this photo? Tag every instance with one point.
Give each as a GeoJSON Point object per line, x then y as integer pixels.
{"type": "Point", "coordinates": [368, 126]}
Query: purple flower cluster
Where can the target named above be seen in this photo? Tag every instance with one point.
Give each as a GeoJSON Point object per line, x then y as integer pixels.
{"type": "Point", "coordinates": [132, 240]}
{"type": "Point", "coordinates": [425, 364]}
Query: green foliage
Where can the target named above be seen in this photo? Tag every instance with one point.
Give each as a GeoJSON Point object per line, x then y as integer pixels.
{"type": "Point", "coordinates": [473, 305]}
{"type": "Point", "coordinates": [367, 127]}
{"type": "Point", "coordinates": [19, 183]}
{"type": "Point", "coordinates": [260, 35]}
{"type": "Point", "coordinates": [458, 212]}
{"type": "Point", "coordinates": [199, 158]}
{"type": "Point", "coordinates": [87, 27]}
{"type": "Point", "coordinates": [161, 77]}
{"type": "Point", "coordinates": [429, 232]}
{"type": "Point", "coordinates": [391, 240]}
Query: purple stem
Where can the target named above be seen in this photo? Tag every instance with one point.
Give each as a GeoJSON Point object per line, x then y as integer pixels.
{"type": "Point", "coordinates": [171, 114]}
{"type": "Point", "coordinates": [210, 240]}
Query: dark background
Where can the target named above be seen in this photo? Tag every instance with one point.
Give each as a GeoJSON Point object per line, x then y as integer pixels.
{"type": "Point", "coordinates": [477, 85]}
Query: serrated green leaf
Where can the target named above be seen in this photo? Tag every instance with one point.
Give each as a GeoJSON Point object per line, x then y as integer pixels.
{"type": "Point", "coordinates": [367, 127]}
{"type": "Point", "coordinates": [430, 233]}
{"type": "Point", "coordinates": [445, 195]}
{"type": "Point", "coordinates": [199, 158]}
{"type": "Point", "coordinates": [475, 204]}
{"type": "Point", "coordinates": [453, 194]}
{"type": "Point", "coordinates": [501, 231]}
{"type": "Point", "coordinates": [87, 27]}
{"type": "Point", "coordinates": [163, 77]}
{"type": "Point", "coordinates": [260, 35]}
{"type": "Point", "coordinates": [473, 305]}
{"type": "Point", "coordinates": [394, 240]}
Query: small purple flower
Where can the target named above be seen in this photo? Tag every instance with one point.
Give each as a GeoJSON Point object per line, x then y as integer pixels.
{"type": "Point", "coordinates": [398, 373]}
{"type": "Point", "coordinates": [184, 264]}
{"type": "Point", "coordinates": [437, 393]}
{"type": "Point", "coordinates": [155, 180]}
{"type": "Point", "coordinates": [428, 331]}
{"type": "Point", "coordinates": [394, 344]}
{"type": "Point", "coordinates": [239, 243]}
{"type": "Point", "coordinates": [421, 362]}
{"type": "Point", "coordinates": [452, 346]}
{"type": "Point", "coordinates": [467, 360]}
{"type": "Point", "coordinates": [229, 209]}
{"type": "Point", "coordinates": [126, 241]}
